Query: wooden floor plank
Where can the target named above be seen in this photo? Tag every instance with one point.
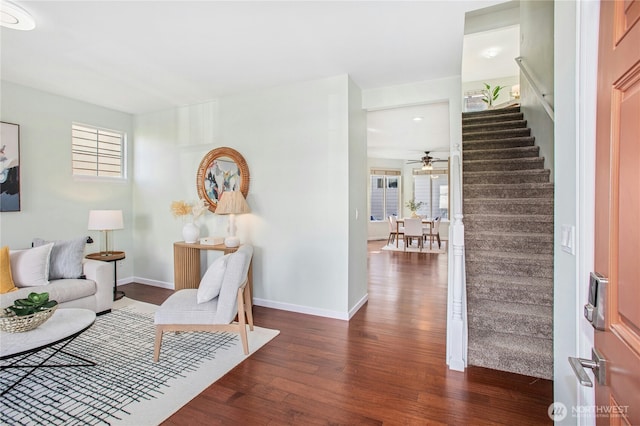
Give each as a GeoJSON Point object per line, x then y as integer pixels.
{"type": "Point", "coordinates": [384, 366]}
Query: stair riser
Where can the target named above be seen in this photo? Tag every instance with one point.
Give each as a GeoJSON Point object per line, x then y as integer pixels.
{"type": "Point", "coordinates": [533, 295]}
{"type": "Point", "coordinates": [521, 177]}
{"type": "Point", "coordinates": [509, 164]}
{"type": "Point", "coordinates": [540, 270]}
{"type": "Point", "coordinates": [510, 244]}
{"type": "Point", "coordinates": [522, 325]}
{"type": "Point", "coordinates": [490, 225]}
{"type": "Point", "coordinates": [532, 365]}
{"type": "Point", "coordinates": [505, 192]}
{"type": "Point", "coordinates": [492, 119]}
{"type": "Point", "coordinates": [495, 125]}
{"type": "Point", "coordinates": [499, 154]}
{"type": "Point", "coordinates": [507, 206]}
{"type": "Point", "coordinates": [501, 134]}
{"type": "Point", "coordinates": [498, 144]}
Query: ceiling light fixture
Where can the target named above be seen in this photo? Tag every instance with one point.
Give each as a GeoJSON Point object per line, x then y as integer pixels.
{"type": "Point", "coordinates": [427, 165]}
{"type": "Point", "coordinates": [417, 118]}
{"type": "Point", "coordinates": [15, 17]}
{"type": "Point", "coordinates": [491, 53]}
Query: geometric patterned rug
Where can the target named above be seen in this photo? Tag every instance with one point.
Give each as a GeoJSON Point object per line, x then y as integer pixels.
{"type": "Point", "coordinates": [125, 386]}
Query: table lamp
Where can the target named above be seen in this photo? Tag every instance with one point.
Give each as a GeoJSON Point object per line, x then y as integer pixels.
{"type": "Point", "coordinates": [232, 203]}
{"type": "Point", "coordinates": [105, 221]}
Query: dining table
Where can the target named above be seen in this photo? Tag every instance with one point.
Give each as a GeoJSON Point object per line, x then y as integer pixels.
{"type": "Point", "coordinates": [425, 221]}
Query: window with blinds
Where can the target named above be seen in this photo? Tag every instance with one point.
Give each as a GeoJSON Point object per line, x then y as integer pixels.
{"type": "Point", "coordinates": [385, 194]}
{"type": "Point", "coordinates": [432, 189]}
{"type": "Point", "coordinates": [97, 152]}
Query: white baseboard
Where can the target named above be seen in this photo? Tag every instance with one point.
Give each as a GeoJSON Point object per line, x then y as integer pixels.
{"type": "Point", "coordinates": [290, 307]}
{"type": "Point", "coordinates": [154, 283]}
{"type": "Point", "coordinates": [358, 305]}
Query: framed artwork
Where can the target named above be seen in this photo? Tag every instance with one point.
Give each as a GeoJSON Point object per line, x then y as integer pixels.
{"type": "Point", "coordinates": [10, 167]}
{"type": "Point", "coordinates": [222, 169]}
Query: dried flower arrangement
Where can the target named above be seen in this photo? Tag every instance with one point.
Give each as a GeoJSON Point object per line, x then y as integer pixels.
{"type": "Point", "coordinates": [182, 208]}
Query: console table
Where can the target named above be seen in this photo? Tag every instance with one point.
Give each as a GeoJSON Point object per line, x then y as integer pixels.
{"type": "Point", "coordinates": [186, 264]}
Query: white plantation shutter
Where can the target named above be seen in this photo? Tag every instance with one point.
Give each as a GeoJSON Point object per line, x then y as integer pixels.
{"type": "Point", "coordinates": [97, 152]}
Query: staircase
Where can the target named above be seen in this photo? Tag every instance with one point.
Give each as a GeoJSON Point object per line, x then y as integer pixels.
{"type": "Point", "coordinates": [508, 216]}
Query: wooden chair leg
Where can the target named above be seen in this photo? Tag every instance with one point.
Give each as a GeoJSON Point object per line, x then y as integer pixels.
{"type": "Point", "coordinates": [156, 349]}
{"type": "Point", "coordinates": [248, 307]}
{"type": "Point", "coordinates": [242, 325]}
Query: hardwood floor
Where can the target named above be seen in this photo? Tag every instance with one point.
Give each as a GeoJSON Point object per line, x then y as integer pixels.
{"type": "Point", "coordinates": [385, 366]}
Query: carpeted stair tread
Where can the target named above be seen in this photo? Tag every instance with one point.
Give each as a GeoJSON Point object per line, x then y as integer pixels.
{"type": "Point", "coordinates": [491, 112]}
{"type": "Point", "coordinates": [507, 176]}
{"type": "Point", "coordinates": [505, 153]}
{"type": "Point", "coordinates": [511, 191]}
{"type": "Point", "coordinates": [507, 258]}
{"type": "Point", "coordinates": [480, 205]}
{"type": "Point", "coordinates": [523, 242]}
{"type": "Point", "coordinates": [500, 164]}
{"type": "Point", "coordinates": [514, 318]}
{"type": "Point", "coordinates": [511, 116]}
{"type": "Point", "coordinates": [507, 289]}
{"type": "Point", "coordinates": [489, 126]}
{"type": "Point", "coordinates": [508, 223]}
{"type": "Point", "coordinates": [495, 134]}
{"type": "Point", "coordinates": [500, 143]}
{"type": "Point", "coordinates": [529, 356]}
{"type": "Point", "coordinates": [510, 281]}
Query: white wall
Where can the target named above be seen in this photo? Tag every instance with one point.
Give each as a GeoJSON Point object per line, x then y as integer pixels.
{"type": "Point", "coordinates": [295, 139]}
{"type": "Point", "coordinates": [358, 217]}
{"type": "Point", "coordinates": [54, 205]}
{"type": "Point", "coordinates": [536, 45]}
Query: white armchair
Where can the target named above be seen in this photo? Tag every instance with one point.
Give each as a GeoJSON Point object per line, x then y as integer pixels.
{"type": "Point", "coordinates": [182, 312]}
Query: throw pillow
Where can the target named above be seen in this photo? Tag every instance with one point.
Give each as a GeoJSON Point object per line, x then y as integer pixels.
{"type": "Point", "coordinates": [211, 282]}
{"type": "Point", "coordinates": [66, 257]}
{"type": "Point", "coordinates": [6, 281]}
{"type": "Point", "coordinates": [30, 267]}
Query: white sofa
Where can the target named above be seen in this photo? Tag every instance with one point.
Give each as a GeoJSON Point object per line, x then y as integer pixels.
{"type": "Point", "coordinates": [95, 292]}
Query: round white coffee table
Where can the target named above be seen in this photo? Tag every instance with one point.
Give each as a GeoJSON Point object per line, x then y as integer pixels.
{"type": "Point", "coordinates": [63, 326]}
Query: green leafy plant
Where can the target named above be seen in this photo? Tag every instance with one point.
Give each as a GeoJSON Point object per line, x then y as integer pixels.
{"type": "Point", "coordinates": [35, 302]}
{"type": "Point", "coordinates": [413, 206]}
{"type": "Point", "coordinates": [490, 95]}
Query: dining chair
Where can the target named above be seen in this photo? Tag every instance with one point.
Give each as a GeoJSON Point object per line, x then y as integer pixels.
{"type": "Point", "coordinates": [413, 229]}
{"type": "Point", "coordinates": [393, 227]}
{"type": "Point", "coordinates": [433, 232]}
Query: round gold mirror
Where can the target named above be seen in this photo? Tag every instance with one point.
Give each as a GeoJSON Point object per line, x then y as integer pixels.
{"type": "Point", "coordinates": [222, 169]}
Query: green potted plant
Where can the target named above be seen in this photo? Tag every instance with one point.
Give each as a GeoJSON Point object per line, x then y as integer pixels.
{"type": "Point", "coordinates": [414, 206]}
{"type": "Point", "coordinates": [27, 314]}
{"type": "Point", "coordinates": [490, 95]}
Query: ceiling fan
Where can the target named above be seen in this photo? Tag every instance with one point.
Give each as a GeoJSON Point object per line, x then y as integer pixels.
{"type": "Point", "coordinates": [427, 161]}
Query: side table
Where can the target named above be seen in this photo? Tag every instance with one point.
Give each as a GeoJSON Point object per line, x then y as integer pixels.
{"type": "Point", "coordinates": [113, 256]}
{"type": "Point", "coordinates": [186, 264]}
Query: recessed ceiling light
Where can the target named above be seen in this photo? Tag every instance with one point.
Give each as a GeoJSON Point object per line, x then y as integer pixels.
{"type": "Point", "coordinates": [417, 118]}
{"type": "Point", "coordinates": [13, 16]}
{"type": "Point", "coordinates": [491, 52]}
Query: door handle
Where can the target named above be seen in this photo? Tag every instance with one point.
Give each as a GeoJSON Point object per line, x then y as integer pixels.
{"type": "Point", "coordinates": [597, 364]}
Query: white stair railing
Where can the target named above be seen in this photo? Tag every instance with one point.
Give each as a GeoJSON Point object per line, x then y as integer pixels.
{"type": "Point", "coordinates": [457, 296]}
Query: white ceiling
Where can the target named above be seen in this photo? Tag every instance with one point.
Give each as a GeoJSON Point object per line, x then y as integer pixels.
{"type": "Point", "coordinates": [140, 56]}
{"type": "Point", "coordinates": [504, 43]}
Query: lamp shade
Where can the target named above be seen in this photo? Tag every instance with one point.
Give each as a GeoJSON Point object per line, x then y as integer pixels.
{"type": "Point", "coordinates": [232, 202]}
{"type": "Point", "coordinates": [100, 220]}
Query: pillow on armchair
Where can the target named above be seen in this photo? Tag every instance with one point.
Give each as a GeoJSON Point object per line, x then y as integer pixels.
{"type": "Point", "coordinates": [211, 282]}
{"type": "Point", "coordinates": [66, 257]}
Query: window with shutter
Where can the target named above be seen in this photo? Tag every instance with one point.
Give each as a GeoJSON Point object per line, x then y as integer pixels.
{"type": "Point", "coordinates": [97, 152]}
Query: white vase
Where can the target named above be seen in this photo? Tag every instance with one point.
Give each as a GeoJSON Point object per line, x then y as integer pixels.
{"type": "Point", "coordinates": [190, 232]}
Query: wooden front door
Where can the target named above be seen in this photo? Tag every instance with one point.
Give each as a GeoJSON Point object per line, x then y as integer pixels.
{"type": "Point", "coordinates": [617, 215]}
